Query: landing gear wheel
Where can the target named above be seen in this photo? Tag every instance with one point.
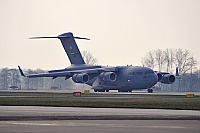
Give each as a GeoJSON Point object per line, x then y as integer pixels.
{"type": "Point", "coordinates": [150, 90]}
{"type": "Point", "coordinates": [107, 90]}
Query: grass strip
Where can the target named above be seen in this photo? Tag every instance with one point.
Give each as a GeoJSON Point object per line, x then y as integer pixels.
{"type": "Point", "coordinates": [96, 100]}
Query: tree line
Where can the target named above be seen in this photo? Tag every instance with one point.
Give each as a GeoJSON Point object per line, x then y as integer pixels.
{"type": "Point", "coordinates": [11, 79]}
{"type": "Point", "coordinates": [162, 60]}
{"type": "Point", "coordinates": [167, 60]}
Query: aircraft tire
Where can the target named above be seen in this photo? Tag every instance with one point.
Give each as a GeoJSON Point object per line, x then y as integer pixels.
{"type": "Point", "coordinates": [100, 90]}
{"type": "Point", "coordinates": [107, 90]}
{"type": "Point", "coordinates": [150, 90]}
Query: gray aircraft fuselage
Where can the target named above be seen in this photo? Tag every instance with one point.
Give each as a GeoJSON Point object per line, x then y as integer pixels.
{"type": "Point", "coordinates": [128, 78]}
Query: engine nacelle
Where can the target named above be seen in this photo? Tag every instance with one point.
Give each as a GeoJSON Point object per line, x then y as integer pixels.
{"type": "Point", "coordinates": [168, 79]}
{"type": "Point", "coordinates": [80, 78]}
{"type": "Point", "coordinates": [159, 76]}
{"type": "Point", "coordinates": [108, 76]}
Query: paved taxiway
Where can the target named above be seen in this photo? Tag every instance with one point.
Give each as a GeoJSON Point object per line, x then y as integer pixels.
{"type": "Point", "coordinates": [69, 119]}
{"type": "Point", "coordinates": [103, 126]}
{"type": "Point", "coordinates": [65, 113]}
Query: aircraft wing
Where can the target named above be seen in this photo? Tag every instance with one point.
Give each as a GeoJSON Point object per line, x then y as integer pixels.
{"type": "Point", "coordinates": [161, 72]}
{"type": "Point", "coordinates": [54, 75]}
{"type": "Point", "coordinates": [67, 74]}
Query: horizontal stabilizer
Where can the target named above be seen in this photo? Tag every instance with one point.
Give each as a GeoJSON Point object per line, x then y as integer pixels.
{"type": "Point", "coordinates": [59, 37]}
{"type": "Point", "coordinates": [47, 37]}
{"type": "Point", "coordinates": [81, 38]}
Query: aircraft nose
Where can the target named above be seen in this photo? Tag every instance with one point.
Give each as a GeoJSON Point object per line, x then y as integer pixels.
{"type": "Point", "coordinates": [154, 78]}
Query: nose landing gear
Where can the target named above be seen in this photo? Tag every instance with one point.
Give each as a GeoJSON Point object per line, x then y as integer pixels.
{"type": "Point", "coordinates": [150, 90]}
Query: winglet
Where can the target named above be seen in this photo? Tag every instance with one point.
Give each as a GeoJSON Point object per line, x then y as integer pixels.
{"type": "Point", "coordinates": [21, 72]}
{"type": "Point", "coordinates": [177, 73]}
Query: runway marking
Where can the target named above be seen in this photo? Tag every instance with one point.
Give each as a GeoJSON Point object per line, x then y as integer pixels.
{"type": "Point", "coordinates": [33, 124]}
{"type": "Point", "coordinates": [172, 127]}
{"type": "Point", "coordinates": [94, 123]}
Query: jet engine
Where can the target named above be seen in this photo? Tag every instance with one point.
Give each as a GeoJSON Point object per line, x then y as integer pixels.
{"type": "Point", "coordinates": [168, 79]}
{"type": "Point", "coordinates": [80, 78]}
{"type": "Point", "coordinates": [108, 76]}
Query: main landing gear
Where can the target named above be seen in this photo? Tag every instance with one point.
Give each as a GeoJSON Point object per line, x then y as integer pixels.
{"type": "Point", "coordinates": [100, 90]}
{"type": "Point", "coordinates": [125, 91]}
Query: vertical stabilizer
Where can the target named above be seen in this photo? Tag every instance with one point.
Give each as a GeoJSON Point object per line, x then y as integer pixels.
{"type": "Point", "coordinates": [69, 44]}
{"type": "Point", "coordinates": [71, 48]}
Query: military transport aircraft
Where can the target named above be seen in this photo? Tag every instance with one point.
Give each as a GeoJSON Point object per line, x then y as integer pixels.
{"type": "Point", "coordinates": [101, 78]}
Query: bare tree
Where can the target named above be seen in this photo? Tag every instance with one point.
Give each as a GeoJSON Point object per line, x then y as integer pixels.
{"type": "Point", "coordinates": [5, 79]}
{"type": "Point", "coordinates": [149, 60]}
{"type": "Point", "coordinates": [15, 77]}
{"type": "Point", "coordinates": [160, 58]}
{"type": "Point", "coordinates": [27, 82]}
{"type": "Point", "coordinates": [89, 58]}
{"type": "Point", "coordinates": [184, 60]}
{"type": "Point", "coordinates": [169, 59]}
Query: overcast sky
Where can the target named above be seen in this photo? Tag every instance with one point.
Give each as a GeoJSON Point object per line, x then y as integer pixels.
{"type": "Point", "coordinates": [121, 31]}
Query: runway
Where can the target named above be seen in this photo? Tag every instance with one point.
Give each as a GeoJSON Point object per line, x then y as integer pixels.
{"type": "Point", "coordinates": [69, 119]}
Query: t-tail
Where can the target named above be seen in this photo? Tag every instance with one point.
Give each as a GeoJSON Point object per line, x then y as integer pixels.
{"type": "Point", "coordinates": [70, 47]}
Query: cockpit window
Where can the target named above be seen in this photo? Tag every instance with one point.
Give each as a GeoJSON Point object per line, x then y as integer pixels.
{"type": "Point", "coordinates": [148, 72]}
